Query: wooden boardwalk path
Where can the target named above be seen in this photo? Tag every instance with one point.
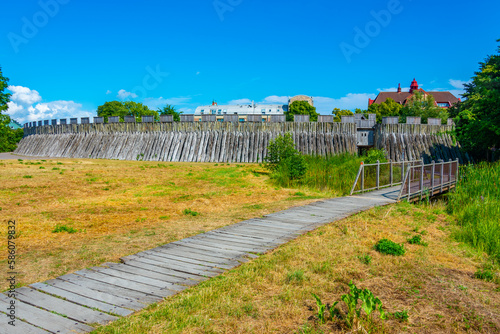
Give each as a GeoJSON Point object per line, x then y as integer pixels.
{"type": "Point", "coordinates": [71, 303]}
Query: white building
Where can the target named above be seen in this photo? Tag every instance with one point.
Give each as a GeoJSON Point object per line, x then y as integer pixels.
{"type": "Point", "coordinates": [241, 109]}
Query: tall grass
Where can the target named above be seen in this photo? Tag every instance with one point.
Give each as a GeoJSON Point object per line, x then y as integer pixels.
{"type": "Point", "coordinates": [476, 203]}
{"type": "Point", "coordinates": [334, 174]}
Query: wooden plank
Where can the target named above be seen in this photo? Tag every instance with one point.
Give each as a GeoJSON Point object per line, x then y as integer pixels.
{"type": "Point", "coordinates": [44, 319]}
{"type": "Point", "coordinates": [125, 268]}
{"type": "Point", "coordinates": [119, 301]}
{"type": "Point", "coordinates": [111, 288]}
{"type": "Point", "coordinates": [159, 262]}
{"type": "Point", "coordinates": [81, 300]}
{"type": "Point", "coordinates": [139, 278]}
{"type": "Point", "coordinates": [61, 306]}
{"type": "Point", "coordinates": [158, 256]}
{"type": "Point", "coordinates": [221, 244]}
{"type": "Point", "coordinates": [230, 254]}
{"type": "Point", "coordinates": [189, 259]}
{"type": "Point", "coordinates": [183, 278]}
{"type": "Point", "coordinates": [125, 283]}
{"type": "Point", "coordinates": [198, 255]}
{"type": "Point", "coordinates": [20, 327]}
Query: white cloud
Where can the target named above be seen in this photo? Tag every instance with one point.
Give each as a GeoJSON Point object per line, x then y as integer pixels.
{"type": "Point", "coordinates": [458, 84]}
{"type": "Point", "coordinates": [240, 101]}
{"type": "Point", "coordinates": [25, 107]}
{"type": "Point", "coordinates": [23, 95]}
{"type": "Point", "coordinates": [123, 94]}
{"type": "Point", "coordinates": [108, 92]}
{"type": "Point", "coordinates": [325, 105]}
{"type": "Point", "coordinates": [274, 99]}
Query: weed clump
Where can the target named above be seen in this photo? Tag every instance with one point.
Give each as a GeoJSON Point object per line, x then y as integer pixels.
{"type": "Point", "coordinates": [417, 240]}
{"type": "Point", "coordinates": [63, 228]}
{"type": "Point", "coordinates": [386, 246]}
{"type": "Point", "coordinates": [188, 212]}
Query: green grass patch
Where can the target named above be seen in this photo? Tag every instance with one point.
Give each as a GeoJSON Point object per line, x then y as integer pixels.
{"type": "Point", "coordinates": [386, 246]}
{"type": "Point", "coordinates": [64, 228]}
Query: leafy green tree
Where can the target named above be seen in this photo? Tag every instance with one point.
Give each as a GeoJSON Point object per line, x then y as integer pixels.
{"type": "Point", "coordinates": [385, 109]}
{"type": "Point", "coordinates": [127, 108]}
{"type": "Point", "coordinates": [301, 108]}
{"type": "Point", "coordinates": [477, 118]}
{"type": "Point", "coordinates": [170, 110]}
{"type": "Point", "coordinates": [423, 106]}
{"type": "Point", "coordinates": [338, 113]}
{"type": "Point", "coordinates": [283, 157]}
{"type": "Point", "coordinates": [8, 137]}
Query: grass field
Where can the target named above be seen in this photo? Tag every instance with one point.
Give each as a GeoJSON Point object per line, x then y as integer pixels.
{"type": "Point", "coordinates": [434, 284]}
{"type": "Point", "coordinates": [73, 214]}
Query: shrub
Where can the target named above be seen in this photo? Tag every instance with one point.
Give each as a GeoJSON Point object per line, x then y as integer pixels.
{"type": "Point", "coordinates": [401, 316]}
{"type": "Point", "coordinates": [373, 155]}
{"type": "Point", "coordinates": [417, 240]}
{"type": "Point", "coordinates": [386, 246]}
{"type": "Point", "coordinates": [284, 160]}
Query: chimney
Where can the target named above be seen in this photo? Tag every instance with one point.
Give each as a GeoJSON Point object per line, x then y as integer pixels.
{"type": "Point", "coordinates": [399, 88]}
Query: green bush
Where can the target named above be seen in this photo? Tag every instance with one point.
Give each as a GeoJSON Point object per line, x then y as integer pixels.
{"type": "Point", "coordinates": [386, 246]}
{"type": "Point", "coordinates": [373, 155]}
{"type": "Point", "coordinates": [484, 274]}
{"type": "Point", "coordinates": [284, 160]}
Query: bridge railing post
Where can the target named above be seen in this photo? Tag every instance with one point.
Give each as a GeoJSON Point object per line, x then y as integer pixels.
{"type": "Point", "coordinates": [432, 176]}
{"type": "Point", "coordinates": [421, 181]}
{"type": "Point", "coordinates": [362, 176]}
{"type": "Point", "coordinates": [378, 174]}
{"type": "Point", "coordinates": [449, 174]}
{"type": "Point", "coordinates": [391, 170]}
{"type": "Point", "coordinates": [442, 176]}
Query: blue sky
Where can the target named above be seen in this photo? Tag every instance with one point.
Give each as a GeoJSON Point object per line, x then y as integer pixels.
{"type": "Point", "coordinates": [66, 57]}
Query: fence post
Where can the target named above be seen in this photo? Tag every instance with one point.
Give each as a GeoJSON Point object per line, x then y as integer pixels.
{"type": "Point", "coordinates": [362, 176]}
{"type": "Point", "coordinates": [409, 180]}
{"type": "Point", "coordinates": [378, 174]}
{"type": "Point", "coordinates": [391, 170]}
{"type": "Point", "coordinates": [432, 176]}
{"type": "Point", "coordinates": [449, 175]}
{"type": "Point", "coordinates": [442, 176]}
{"type": "Point", "coordinates": [422, 180]}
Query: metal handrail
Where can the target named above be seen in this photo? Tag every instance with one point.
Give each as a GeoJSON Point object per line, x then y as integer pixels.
{"type": "Point", "coordinates": [361, 174]}
{"type": "Point", "coordinates": [422, 188]}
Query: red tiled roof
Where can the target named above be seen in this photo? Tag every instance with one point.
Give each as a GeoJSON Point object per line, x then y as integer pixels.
{"type": "Point", "coordinates": [439, 97]}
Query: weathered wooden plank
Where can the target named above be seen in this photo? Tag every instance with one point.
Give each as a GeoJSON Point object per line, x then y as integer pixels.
{"type": "Point", "coordinates": [61, 306]}
{"type": "Point", "coordinates": [20, 327]}
{"type": "Point", "coordinates": [112, 289]}
{"type": "Point", "coordinates": [45, 319]}
{"type": "Point", "coordinates": [82, 300]}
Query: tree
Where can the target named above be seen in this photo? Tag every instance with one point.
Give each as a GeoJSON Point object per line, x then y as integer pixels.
{"type": "Point", "coordinates": [301, 108]}
{"type": "Point", "coordinates": [477, 118]}
{"type": "Point", "coordinates": [338, 113]}
{"type": "Point", "coordinates": [128, 108]}
{"type": "Point", "coordinates": [385, 109]}
{"type": "Point", "coordinates": [423, 106]}
{"type": "Point", "coordinates": [8, 137]}
{"type": "Point", "coordinates": [170, 110]}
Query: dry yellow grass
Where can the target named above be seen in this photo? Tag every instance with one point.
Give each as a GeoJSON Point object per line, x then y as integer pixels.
{"type": "Point", "coordinates": [272, 294]}
{"type": "Point", "coordinates": [121, 207]}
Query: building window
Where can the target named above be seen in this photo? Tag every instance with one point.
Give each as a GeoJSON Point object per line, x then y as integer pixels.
{"type": "Point", "coordinates": [443, 105]}
{"type": "Point", "coordinates": [213, 112]}
{"type": "Point", "coordinates": [242, 119]}
{"type": "Point", "coordinates": [263, 110]}
{"type": "Point", "coordinates": [263, 113]}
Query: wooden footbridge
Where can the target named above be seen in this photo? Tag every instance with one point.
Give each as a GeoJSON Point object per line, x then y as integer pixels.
{"type": "Point", "coordinates": [74, 303]}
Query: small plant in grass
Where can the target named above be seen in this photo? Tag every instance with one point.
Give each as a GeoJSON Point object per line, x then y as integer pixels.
{"type": "Point", "coordinates": [401, 316]}
{"type": "Point", "coordinates": [63, 228]}
{"type": "Point", "coordinates": [188, 212]}
{"type": "Point", "coordinates": [365, 259]}
{"type": "Point", "coordinates": [484, 274]}
{"type": "Point", "coordinates": [28, 176]}
{"type": "Point", "coordinates": [296, 276]}
{"type": "Point", "coordinates": [361, 303]}
{"type": "Point", "coordinates": [386, 246]}
{"type": "Point", "coordinates": [417, 240]}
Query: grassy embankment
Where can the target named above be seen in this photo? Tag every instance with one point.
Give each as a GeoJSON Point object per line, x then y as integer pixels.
{"type": "Point", "coordinates": [72, 214]}
{"type": "Point", "coordinates": [435, 283]}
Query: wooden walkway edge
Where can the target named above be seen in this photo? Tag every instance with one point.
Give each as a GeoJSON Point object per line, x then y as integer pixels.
{"type": "Point", "coordinates": [73, 302]}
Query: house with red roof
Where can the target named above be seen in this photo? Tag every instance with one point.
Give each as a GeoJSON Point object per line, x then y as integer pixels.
{"type": "Point", "coordinates": [443, 99]}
